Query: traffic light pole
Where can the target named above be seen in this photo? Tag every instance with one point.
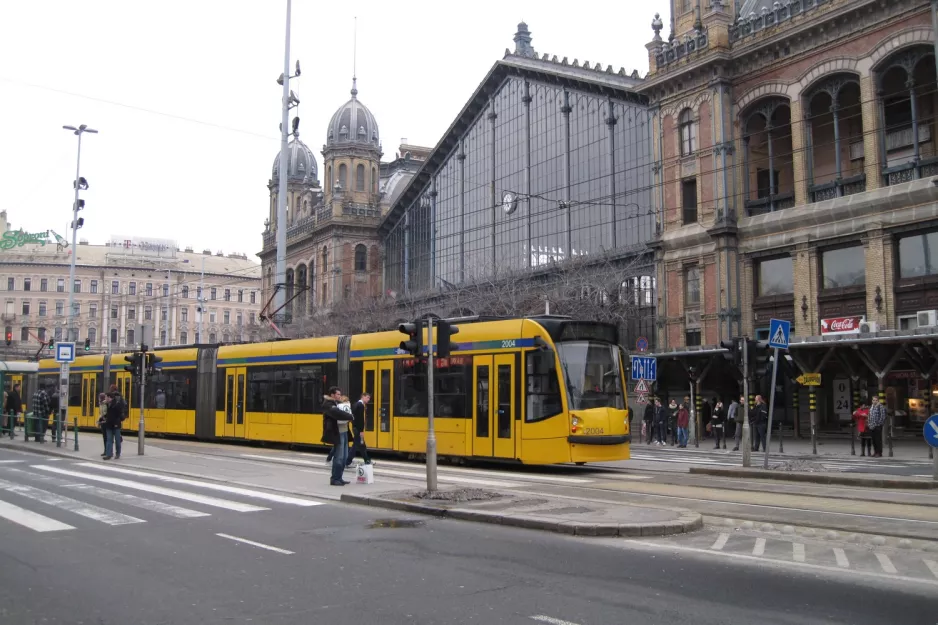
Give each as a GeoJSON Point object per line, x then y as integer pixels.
{"type": "Point", "coordinates": [768, 433]}
{"type": "Point", "coordinates": [746, 441]}
{"type": "Point", "coordinates": [431, 433]}
{"type": "Point", "coordinates": [143, 388]}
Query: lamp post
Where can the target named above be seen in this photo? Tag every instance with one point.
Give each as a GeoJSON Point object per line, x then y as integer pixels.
{"type": "Point", "coordinates": [79, 184]}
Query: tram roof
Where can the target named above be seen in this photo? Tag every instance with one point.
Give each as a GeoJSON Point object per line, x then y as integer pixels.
{"type": "Point", "coordinates": [19, 367]}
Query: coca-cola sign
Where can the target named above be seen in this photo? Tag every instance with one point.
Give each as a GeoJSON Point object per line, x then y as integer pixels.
{"type": "Point", "coordinates": [841, 325]}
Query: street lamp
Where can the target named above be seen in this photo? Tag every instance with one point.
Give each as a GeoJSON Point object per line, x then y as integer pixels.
{"type": "Point", "coordinates": [80, 184]}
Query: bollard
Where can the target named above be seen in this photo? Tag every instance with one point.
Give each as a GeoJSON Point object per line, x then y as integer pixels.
{"type": "Point", "coordinates": [75, 432]}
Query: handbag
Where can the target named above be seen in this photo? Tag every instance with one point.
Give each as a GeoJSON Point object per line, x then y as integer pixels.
{"type": "Point", "coordinates": [366, 474]}
{"type": "Point", "coordinates": [709, 427]}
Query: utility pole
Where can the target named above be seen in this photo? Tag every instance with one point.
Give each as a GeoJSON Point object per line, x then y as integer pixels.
{"type": "Point", "coordinates": [143, 390]}
{"type": "Point", "coordinates": [746, 441]}
{"type": "Point", "coordinates": [431, 433]}
{"type": "Point", "coordinates": [768, 432]}
{"type": "Point", "coordinates": [75, 208]}
{"type": "Point", "coordinates": [281, 268]}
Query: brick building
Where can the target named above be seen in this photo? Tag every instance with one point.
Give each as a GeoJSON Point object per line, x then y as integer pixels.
{"type": "Point", "coordinates": [794, 160]}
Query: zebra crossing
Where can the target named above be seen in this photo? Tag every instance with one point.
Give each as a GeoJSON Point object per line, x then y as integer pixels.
{"type": "Point", "coordinates": [913, 563]}
{"type": "Point", "coordinates": [47, 497]}
{"type": "Point", "coordinates": [728, 458]}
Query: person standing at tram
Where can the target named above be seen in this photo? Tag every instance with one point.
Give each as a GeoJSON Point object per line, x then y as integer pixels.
{"type": "Point", "coordinates": [876, 422]}
{"type": "Point", "coordinates": [13, 406]}
{"type": "Point", "coordinates": [358, 426]}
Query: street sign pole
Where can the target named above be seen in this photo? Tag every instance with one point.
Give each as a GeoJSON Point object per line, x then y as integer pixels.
{"type": "Point", "coordinates": [431, 433]}
{"type": "Point", "coordinates": [746, 441]}
{"type": "Point", "coordinates": [143, 390]}
{"type": "Point", "coordinates": [63, 407]}
{"type": "Point", "coordinates": [768, 433]}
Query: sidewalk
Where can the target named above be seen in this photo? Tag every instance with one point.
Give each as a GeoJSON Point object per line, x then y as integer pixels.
{"type": "Point", "coordinates": [579, 516]}
{"type": "Point", "coordinates": [903, 449]}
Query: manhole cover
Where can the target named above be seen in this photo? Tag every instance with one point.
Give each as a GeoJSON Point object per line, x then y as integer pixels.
{"type": "Point", "coordinates": [394, 523]}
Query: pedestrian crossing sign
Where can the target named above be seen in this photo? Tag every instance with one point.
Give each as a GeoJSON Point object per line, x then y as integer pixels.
{"type": "Point", "coordinates": [779, 332]}
{"type": "Point", "coordinates": [641, 387]}
{"type": "Point", "coordinates": [642, 398]}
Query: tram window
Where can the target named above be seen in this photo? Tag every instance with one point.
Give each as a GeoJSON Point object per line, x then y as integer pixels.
{"type": "Point", "coordinates": [282, 397]}
{"type": "Point", "coordinates": [450, 386]}
{"type": "Point", "coordinates": [411, 399]}
{"type": "Point", "coordinates": [179, 390]}
{"type": "Point", "coordinates": [229, 395]}
{"type": "Point", "coordinates": [309, 389]}
{"type": "Point", "coordinates": [543, 386]}
{"type": "Point", "coordinates": [355, 381]}
{"type": "Point", "coordinates": [74, 389]}
{"type": "Point", "coordinates": [504, 401]}
{"type": "Point", "coordinates": [482, 401]}
{"type": "Point", "coordinates": [258, 390]}
{"type": "Point", "coordinates": [220, 391]}
{"type": "Point", "coordinates": [370, 407]}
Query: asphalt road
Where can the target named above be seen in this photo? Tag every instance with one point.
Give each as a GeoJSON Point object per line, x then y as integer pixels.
{"type": "Point", "coordinates": [138, 549]}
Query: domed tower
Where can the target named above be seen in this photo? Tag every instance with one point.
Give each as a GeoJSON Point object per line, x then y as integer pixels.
{"type": "Point", "coordinates": [303, 188]}
{"type": "Point", "coordinates": [352, 156]}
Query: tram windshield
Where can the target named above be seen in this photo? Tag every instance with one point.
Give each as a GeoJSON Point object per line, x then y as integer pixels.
{"type": "Point", "coordinates": [591, 374]}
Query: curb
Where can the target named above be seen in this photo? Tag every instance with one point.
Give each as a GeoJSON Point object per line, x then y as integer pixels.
{"type": "Point", "coordinates": [688, 521]}
{"type": "Point", "coordinates": [816, 478]}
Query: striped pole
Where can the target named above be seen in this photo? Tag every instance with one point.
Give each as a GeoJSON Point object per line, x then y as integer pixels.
{"type": "Point", "coordinates": [812, 408]}
{"type": "Point", "coordinates": [853, 424]}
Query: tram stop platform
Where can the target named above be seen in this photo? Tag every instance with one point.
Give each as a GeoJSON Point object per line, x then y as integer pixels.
{"type": "Point", "coordinates": [566, 515]}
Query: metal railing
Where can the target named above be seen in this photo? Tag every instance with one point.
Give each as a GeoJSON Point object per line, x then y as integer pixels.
{"type": "Point", "coordinates": [34, 426]}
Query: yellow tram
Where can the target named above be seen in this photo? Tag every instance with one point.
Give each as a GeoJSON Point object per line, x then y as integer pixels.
{"type": "Point", "coordinates": [539, 390]}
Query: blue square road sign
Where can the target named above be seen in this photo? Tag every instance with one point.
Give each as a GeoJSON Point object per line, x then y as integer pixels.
{"type": "Point", "coordinates": [65, 352]}
{"type": "Point", "coordinates": [644, 368]}
{"type": "Point", "coordinates": [779, 333]}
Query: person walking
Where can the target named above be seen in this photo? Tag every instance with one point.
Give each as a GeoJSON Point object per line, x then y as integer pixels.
{"type": "Point", "coordinates": [860, 415]}
{"type": "Point", "coordinates": [335, 431]}
{"type": "Point", "coordinates": [761, 420]}
{"type": "Point", "coordinates": [40, 411]}
{"type": "Point", "coordinates": [737, 414]}
{"type": "Point", "coordinates": [717, 421]}
{"type": "Point", "coordinates": [683, 421]}
{"type": "Point", "coordinates": [116, 413]}
{"type": "Point", "coordinates": [12, 407]}
{"type": "Point", "coordinates": [648, 421]}
{"type": "Point", "coordinates": [672, 422]}
{"type": "Point", "coordinates": [877, 422]}
{"type": "Point", "coordinates": [102, 419]}
{"type": "Point", "coordinates": [661, 423]}
{"type": "Point", "coordinates": [358, 426]}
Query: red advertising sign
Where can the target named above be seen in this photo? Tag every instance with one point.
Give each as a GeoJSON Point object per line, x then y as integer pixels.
{"type": "Point", "coordinates": [841, 325]}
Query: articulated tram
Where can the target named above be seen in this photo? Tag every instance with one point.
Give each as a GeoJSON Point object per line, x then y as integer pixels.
{"type": "Point", "coordinates": [538, 390]}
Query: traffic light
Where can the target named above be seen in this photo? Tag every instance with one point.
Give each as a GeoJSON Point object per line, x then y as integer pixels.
{"type": "Point", "coordinates": [51, 343]}
{"type": "Point", "coordinates": [413, 346]}
{"type": "Point", "coordinates": [759, 354]}
{"type": "Point", "coordinates": [134, 360]}
{"type": "Point", "coordinates": [87, 345]}
{"type": "Point", "coordinates": [153, 363]}
{"type": "Point", "coordinates": [734, 346]}
{"type": "Point", "coordinates": [444, 330]}
{"type": "Point", "coordinates": [9, 338]}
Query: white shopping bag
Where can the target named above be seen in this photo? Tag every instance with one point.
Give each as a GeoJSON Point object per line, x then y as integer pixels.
{"type": "Point", "coordinates": [366, 474]}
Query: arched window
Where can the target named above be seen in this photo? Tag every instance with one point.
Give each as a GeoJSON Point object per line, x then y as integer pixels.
{"type": "Point", "coordinates": [374, 179]}
{"type": "Point", "coordinates": [361, 258]}
{"type": "Point", "coordinates": [343, 174]}
{"type": "Point", "coordinates": [212, 338]}
{"type": "Point", "coordinates": [688, 131]}
{"type": "Point", "coordinates": [360, 178]}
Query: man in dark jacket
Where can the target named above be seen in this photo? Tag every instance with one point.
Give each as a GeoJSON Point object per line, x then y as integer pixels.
{"type": "Point", "coordinates": [760, 419]}
{"type": "Point", "coordinates": [358, 426]}
{"type": "Point", "coordinates": [661, 423]}
{"type": "Point", "coordinates": [649, 419]}
{"type": "Point", "coordinates": [13, 407]}
{"type": "Point", "coordinates": [40, 411]}
{"type": "Point", "coordinates": [116, 413]}
{"type": "Point", "coordinates": [335, 431]}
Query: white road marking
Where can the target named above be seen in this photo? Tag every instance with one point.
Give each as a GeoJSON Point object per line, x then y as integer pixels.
{"type": "Point", "coordinates": [10, 461]}
{"type": "Point", "coordinates": [759, 548]}
{"type": "Point", "coordinates": [551, 620]}
{"type": "Point", "coordinates": [720, 542]}
{"type": "Point", "coordinates": [450, 478]}
{"type": "Point", "coordinates": [797, 552]}
{"type": "Point", "coordinates": [251, 542]}
{"type": "Point", "coordinates": [841, 556]}
{"type": "Point", "coordinates": [80, 508]}
{"type": "Point", "coordinates": [630, 544]}
{"type": "Point", "coordinates": [139, 502]}
{"type": "Point", "coordinates": [932, 566]}
{"type": "Point", "coordinates": [158, 490]}
{"type": "Point", "coordinates": [234, 490]}
{"type": "Point", "coordinates": [30, 519]}
{"type": "Point", "coordinates": [886, 563]}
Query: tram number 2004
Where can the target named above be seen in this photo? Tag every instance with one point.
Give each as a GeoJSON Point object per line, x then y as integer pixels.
{"type": "Point", "coordinates": [593, 431]}
{"type": "Point", "coordinates": [508, 344]}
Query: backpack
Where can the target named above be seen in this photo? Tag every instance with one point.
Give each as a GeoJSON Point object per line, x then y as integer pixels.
{"type": "Point", "coordinates": [123, 409]}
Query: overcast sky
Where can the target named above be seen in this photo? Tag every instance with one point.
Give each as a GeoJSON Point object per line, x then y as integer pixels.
{"type": "Point", "coordinates": [184, 95]}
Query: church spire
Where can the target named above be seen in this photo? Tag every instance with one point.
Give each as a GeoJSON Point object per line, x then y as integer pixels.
{"type": "Point", "coordinates": [355, 60]}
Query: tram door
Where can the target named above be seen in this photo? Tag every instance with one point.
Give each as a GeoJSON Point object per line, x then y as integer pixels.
{"type": "Point", "coordinates": [493, 380]}
{"type": "Point", "coordinates": [127, 388]}
{"type": "Point", "coordinates": [89, 397]}
{"type": "Point", "coordinates": [235, 387]}
{"type": "Point", "coordinates": [370, 434]}
{"type": "Point", "coordinates": [384, 389]}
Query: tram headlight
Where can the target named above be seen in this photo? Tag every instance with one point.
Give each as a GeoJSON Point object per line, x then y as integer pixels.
{"type": "Point", "coordinates": [574, 422]}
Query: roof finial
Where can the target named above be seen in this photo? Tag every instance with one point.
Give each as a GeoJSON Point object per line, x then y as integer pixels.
{"type": "Point", "coordinates": [355, 59]}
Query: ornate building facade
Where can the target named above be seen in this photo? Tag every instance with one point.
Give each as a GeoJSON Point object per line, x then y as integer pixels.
{"type": "Point", "coordinates": [333, 249]}
{"type": "Point", "coordinates": [795, 149]}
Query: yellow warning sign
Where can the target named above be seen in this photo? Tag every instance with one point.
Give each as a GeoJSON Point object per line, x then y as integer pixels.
{"type": "Point", "coordinates": [809, 379]}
